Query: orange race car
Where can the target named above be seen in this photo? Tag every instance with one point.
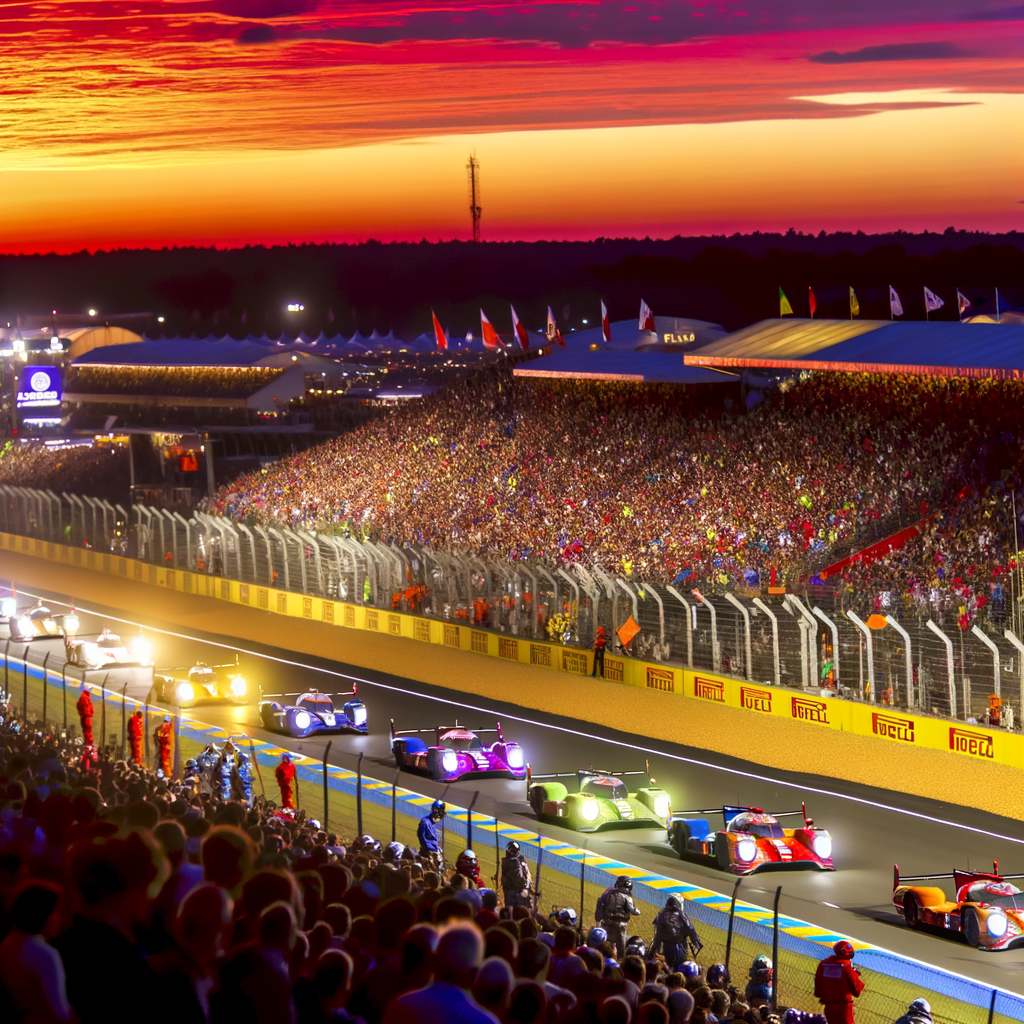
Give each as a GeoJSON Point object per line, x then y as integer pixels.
{"type": "Point", "coordinates": [986, 909]}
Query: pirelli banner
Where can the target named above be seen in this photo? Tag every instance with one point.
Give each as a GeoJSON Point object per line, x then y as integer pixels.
{"type": "Point", "coordinates": [888, 725]}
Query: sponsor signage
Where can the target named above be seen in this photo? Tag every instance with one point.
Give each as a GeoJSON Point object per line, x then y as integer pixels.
{"type": "Point", "coordinates": [892, 727]}
{"type": "Point", "coordinates": [39, 387]}
{"type": "Point", "coordinates": [974, 744]}
{"type": "Point", "coordinates": [754, 699]}
{"type": "Point", "coordinates": [808, 710]}
{"type": "Point", "coordinates": [660, 679]}
{"type": "Point", "coordinates": [709, 689]}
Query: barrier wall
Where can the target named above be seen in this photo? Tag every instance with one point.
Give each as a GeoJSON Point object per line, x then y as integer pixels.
{"type": "Point", "coordinates": [568, 876]}
{"type": "Point", "coordinates": [976, 743]}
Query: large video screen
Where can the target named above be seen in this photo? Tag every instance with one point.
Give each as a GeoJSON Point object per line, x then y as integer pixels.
{"type": "Point", "coordinates": [39, 387]}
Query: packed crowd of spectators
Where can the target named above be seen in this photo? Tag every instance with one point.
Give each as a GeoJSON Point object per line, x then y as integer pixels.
{"type": "Point", "coordinates": [126, 896]}
{"type": "Point", "coordinates": [187, 381]}
{"type": "Point", "coordinates": [95, 470]}
{"type": "Point", "coordinates": [645, 481]}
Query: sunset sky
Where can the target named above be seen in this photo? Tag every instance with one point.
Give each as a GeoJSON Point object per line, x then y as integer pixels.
{"type": "Point", "coordinates": [255, 121]}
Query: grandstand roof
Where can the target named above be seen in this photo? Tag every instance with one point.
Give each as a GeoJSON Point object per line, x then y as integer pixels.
{"type": "Point", "coordinates": [941, 348]}
{"type": "Point", "coordinates": [612, 364]}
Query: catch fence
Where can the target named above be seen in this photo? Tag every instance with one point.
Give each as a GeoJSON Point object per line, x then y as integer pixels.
{"type": "Point", "coordinates": [883, 648]}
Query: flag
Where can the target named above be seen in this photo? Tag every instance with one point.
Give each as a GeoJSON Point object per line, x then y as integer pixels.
{"type": "Point", "coordinates": [520, 331]}
{"type": "Point", "coordinates": [646, 317]}
{"type": "Point", "coordinates": [895, 306]}
{"type": "Point", "coordinates": [551, 332]}
{"type": "Point", "coordinates": [962, 303]}
{"type": "Point", "coordinates": [812, 301]}
{"type": "Point", "coordinates": [785, 309]}
{"type": "Point", "coordinates": [997, 305]}
{"type": "Point", "coordinates": [490, 335]}
{"type": "Point", "coordinates": [854, 304]}
{"type": "Point", "coordinates": [606, 324]}
{"type": "Point", "coordinates": [439, 336]}
{"type": "Point", "coordinates": [931, 301]}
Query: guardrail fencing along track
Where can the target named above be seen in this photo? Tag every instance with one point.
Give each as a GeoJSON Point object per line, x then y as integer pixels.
{"type": "Point", "coordinates": [923, 660]}
{"type": "Point", "coordinates": [564, 871]}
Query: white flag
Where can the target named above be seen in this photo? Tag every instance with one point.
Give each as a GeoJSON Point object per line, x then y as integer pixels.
{"type": "Point", "coordinates": [550, 330]}
{"type": "Point", "coordinates": [962, 302]}
{"type": "Point", "coordinates": [895, 306]}
{"type": "Point", "coordinates": [646, 317]}
{"type": "Point", "coordinates": [931, 301]}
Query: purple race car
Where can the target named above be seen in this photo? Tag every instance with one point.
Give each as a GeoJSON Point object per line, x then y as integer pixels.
{"type": "Point", "coordinates": [457, 751]}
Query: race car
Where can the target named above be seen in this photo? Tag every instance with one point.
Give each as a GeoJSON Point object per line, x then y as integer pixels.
{"type": "Point", "coordinates": [751, 840]}
{"type": "Point", "coordinates": [313, 712]}
{"type": "Point", "coordinates": [986, 909]}
{"type": "Point", "coordinates": [600, 801]}
{"type": "Point", "coordinates": [457, 751]}
{"type": "Point", "coordinates": [36, 622]}
{"type": "Point", "coordinates": [106, 649]}
{"type": "Point", "coordinates": [201, 682]}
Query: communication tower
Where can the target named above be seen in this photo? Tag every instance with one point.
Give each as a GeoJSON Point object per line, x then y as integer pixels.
{"type": "Point", "coordinates": [473, 169]}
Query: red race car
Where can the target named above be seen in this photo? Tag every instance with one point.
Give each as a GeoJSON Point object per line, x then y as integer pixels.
{"type": "Point", "coordinates": [986, 909]}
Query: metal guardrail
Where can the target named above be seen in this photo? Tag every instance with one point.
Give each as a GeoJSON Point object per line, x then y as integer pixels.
{"type": "Point", "coordinates": [921, 659]}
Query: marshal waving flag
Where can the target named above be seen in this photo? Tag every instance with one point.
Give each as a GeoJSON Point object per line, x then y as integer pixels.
{"type": "Point", "coordinates": [520, 331]}
{"type": "Point", "coordinates": [895, 306]}
{"type": "Point", "coordinates": [439, 336]}
{"type": "Point", "coordinates": [646, 317]}
{"type": "Point", "coordinates": [551, 332]}
{"type": "Point", "coordinates": [962, 303]}
{"type": "Point", "coordinates": [490, 335]}
{"type": "Point", "coordinates": [606, 324]}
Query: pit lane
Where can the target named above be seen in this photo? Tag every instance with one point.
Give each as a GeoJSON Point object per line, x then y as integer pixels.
{"type": "Point", "coordinates": [871, 828]}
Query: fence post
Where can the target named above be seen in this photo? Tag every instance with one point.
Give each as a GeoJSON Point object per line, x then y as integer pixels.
{"type": "Point", "coordinates": [394, 803]}
{"type": "Point", "coordinates": [716, 651]}
{"type": "Point", "coordinates": [469, 821]}
{"type": "Point", "coordinates": [775, 950]}
{"type": "Point", "coordinates": [949, 665]}
{"type": "Point", "coordinates": [176, 762]}
{"type": "Point", "coordinates": [497, 857]}
{"type": "Point", "coordinates": [992, 1007]}
{"type": "Point", "coordinates": [746, 635]}
{"type": "Point", "coordinates": [732, 915]}
{"type": "Point", "coordinates": [987, 641]}
{"type": "Point", "coordinates": [145, 734]}
{"type": "Point", "coordinates": [910, 663]}
{"type": "Point", "coordinates": [124, 711]}
{"type": "Point", "coordinates": [869, 645]}
{"type": "Point", "coordinates": [46, 683]}
{"type": "Point", "coordinates": [327, 751]}
{"type": "Point", "coordinates": [689, 625]}
{"type": "Point", "coordinates": [359, 794]}
{"type": "Point", "coordinates": [7, 673]}
{"type": "Point", "coordinates": [583, 867]}
{"type": "Point", "coordinates": [536, 881]}
{"type": "Point", "coordinates": [24, 677]}
{"type": "Point", "coordinates": [103, 712]}
{"type": "Point", "coordinates": [64, 692]}
{"type": "Point", "coordinates": [758, 603]}
{"type": "Point", "coordinates": [835, 641]}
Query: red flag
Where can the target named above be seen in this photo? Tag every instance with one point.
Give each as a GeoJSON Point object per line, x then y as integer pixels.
{"type": "Point", "coordinates": [606, 324]}
{"type": "Point", "coordinates": [812, 302]}
{"type": "Point", "coordinates": [491, 339]}
{"type": "Point", "coordinates": [520, 331]}
{"type": "Point", "coordinates": [439, 336]}
{"type": "Point", "coordinates": [646, 317]}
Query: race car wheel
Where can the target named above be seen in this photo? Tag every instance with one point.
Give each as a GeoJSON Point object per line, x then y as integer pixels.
{"type": "Point", "coordinates": [537, 797]}
{"type": "Point", "coordinates": [434, 763]}
{"type": "Point", "coordinates": [399, 751]}
{"type": "Point", "coordinates": [722, 852]}
{"type": "Point", "coordinates": [911, 911]}
{"type": "Point", "coordinates": [680, 837]}
{"type": "Point", "coordinates": [970, 926]}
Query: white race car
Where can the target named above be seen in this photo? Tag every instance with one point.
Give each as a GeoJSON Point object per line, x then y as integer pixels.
{"type": "Point", "coordinates": [35, 622]}
{"type": "Point", "coordinates": [107, 649]}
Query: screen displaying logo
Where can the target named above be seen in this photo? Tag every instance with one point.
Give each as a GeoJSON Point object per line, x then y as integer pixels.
{"type": "Point", "coordinates": [974, 744]}
{"type": "Point", "coordinates": [892, 728]}
{"type": "Point", "coordinates": [810, 710]}
{"type": "Point", "coordinates": [709, 689]}
{"type": "Point", "coordinates": [755, 700]}
{"type": "Point", "coordinates": [39, 387]}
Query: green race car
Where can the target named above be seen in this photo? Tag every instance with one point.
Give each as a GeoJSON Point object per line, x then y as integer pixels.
{"type": "Point", "coordinates": [600, 801]}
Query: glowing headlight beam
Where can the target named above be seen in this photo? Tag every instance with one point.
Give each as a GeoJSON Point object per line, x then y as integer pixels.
{"type": "Point", "coordinates": [589, 810]}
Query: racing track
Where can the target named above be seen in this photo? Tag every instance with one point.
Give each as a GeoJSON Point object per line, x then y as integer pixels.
{"type": "Point", "coordinates": [871, 828]}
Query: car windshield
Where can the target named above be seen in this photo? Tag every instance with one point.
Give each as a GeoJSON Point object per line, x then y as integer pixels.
{"type": "Point", "coordinates": [764, 826]}
{"type": "Point", "coordinates": [605, 788]}
{"type": "Point", "coordinates": [200, 673]}
{"type": "Point", "coordinates": [460, 739]}
{"type": "Point", "coordinates": [997, 894]}
{"type": "Point", "coordinates": [109, 640]}
{"type": "Point", "coordinates": [318, 702]}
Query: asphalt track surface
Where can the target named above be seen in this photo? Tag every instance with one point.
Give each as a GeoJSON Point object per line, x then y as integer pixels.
{"type": "Point", "coordinates": [871, 828]}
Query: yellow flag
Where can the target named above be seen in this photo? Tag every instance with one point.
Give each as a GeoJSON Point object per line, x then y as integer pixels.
{"type": "Point", "coordinates": [785, 309]}
{"type": "Point", "coordinates": [854, 304]}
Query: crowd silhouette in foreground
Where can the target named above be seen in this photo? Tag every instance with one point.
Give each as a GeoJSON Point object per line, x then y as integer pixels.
{"type": "Point", "coordinates": [126, 896]}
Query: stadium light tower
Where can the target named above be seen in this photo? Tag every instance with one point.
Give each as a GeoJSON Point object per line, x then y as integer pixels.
{"type": "Point", "coordinates": [473, 169]}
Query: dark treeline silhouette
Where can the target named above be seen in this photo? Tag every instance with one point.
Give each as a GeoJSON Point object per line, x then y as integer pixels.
{"type": "Point", "coordinates": [729, 280]}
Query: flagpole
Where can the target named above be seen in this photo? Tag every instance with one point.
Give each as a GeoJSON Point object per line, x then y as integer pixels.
{"type": "Point", "coordinates": [997, 305]}
{"type": "Point", "coordinates": [959, 307]}
{"type": "Point", "coordinates": [926, 316]}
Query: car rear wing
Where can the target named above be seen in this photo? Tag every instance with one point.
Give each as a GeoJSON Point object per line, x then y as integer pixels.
{"type": "Point", "coordinates": [214, 668]}
{"type": "Point", "coordinates": [959, 876]}
{"type": "Point", "coordinates": [438, 730]}
{"type": "Point", "coordinates": [585, 773]}
{"type": "Point", "coordinates": [346, 693]}
{"type": "Point", "coordinates": [728, 813]}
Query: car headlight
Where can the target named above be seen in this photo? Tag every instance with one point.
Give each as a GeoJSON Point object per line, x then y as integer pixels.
{"type": "Point", "coordinates": [449, 761]}
{"type": "Point", "coordinates": [71, 623]}
{"type": "Point", "coordinates": [25, 626]}
{"type": "Point", "coordinates": [186, 691]}
{"type": "Point", "coordinates": [996, 924]}
{"type": "Point", "coordinates": [238, 686]}
{"type": "Point", "coordinates": [515, 757]}
{"type": "Point", "coordinates": [359, 716]}
{"type": "Point", "coordinates": [302, 719]}
{"type": "Point", "coordinates": [141, 648]}
{"type": "Point", "coordinates": [8, 607]}
{"type": "Point", "coordinates": [746, 850]}
{"type": "Point", "coordinates": [662, 805]}
{"type": "Point", "coordinates": [589, 810]}
{"type": "Point", "coordinates": [822, 846]}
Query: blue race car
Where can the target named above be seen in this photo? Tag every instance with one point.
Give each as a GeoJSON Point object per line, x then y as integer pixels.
{"type": "Point", "coordinates": [313, 712]}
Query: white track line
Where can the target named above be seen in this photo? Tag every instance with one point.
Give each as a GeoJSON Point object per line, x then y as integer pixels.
{"type": "Point", "coordinates": [560, 728]}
